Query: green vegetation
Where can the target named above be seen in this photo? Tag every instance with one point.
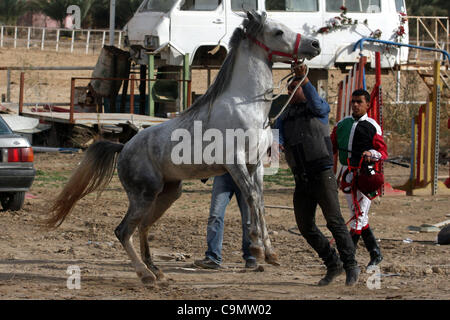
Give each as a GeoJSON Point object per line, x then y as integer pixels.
{"type": "Point", "coordinates": [11, 10]}
{"type": "Point", "coordinates": [52, 179]}
{"type": "Point", "coordinates": [283, 178]}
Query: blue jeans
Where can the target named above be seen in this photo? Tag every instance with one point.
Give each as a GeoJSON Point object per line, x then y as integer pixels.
{"type": "Point", "coordinates": [223, 190]}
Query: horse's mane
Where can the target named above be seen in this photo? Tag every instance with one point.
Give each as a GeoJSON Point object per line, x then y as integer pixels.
{"type": "Point", "coordinates": [250, 27]}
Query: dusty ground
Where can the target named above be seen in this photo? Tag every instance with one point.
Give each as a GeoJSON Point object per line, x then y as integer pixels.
{"type": "Point", "coordinates": [34, 263]}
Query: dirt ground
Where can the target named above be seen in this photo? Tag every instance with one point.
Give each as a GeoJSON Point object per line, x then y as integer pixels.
{"type": "Point", "coordinates": [34, 263]}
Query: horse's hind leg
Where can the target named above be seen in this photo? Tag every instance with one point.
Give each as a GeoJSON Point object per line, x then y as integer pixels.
{"type": "Point", "coordinates": [140, 204]}
{"type": "Point", "coordinates": [170, 193]}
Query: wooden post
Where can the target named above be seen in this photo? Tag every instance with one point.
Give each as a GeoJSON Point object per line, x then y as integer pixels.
{"type": "Point", "coordinates": [21, 90]}
{"type": "Point", "coordinates": [72, 98]}
{"type": "Point", "coordinates": [132, 94]}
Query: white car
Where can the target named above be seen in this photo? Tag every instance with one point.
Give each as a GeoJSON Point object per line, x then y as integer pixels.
{"type": "Point", "coordinates": [16, 168]}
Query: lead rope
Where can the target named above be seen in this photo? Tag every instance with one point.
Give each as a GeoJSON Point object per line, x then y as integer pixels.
{"type": "Point", "coordinates": [270, 91]}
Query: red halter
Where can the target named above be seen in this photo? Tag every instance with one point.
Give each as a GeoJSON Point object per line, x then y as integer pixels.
{"type": "Point", "coordinates": [271, 52]}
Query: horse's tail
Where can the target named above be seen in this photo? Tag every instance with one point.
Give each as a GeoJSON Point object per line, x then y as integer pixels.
{"type": "Point", "coordinates": [94, 172]}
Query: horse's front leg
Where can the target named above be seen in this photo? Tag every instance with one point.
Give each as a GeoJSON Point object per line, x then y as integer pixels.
{"type": "Point", "coordinates": [258, 178]}
{"type": "Point", "coordinates": [246, 184]}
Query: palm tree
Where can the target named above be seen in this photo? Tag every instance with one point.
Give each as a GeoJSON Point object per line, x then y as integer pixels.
{"type": "Point", "coordinates": [11, 10]}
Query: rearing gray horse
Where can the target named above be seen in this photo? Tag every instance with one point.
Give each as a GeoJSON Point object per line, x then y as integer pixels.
{"type": "Point", "coordinates": [149, 165]}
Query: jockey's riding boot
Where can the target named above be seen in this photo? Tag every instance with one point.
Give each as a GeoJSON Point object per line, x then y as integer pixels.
{"type": "Point", "coordinates": [372, 246]}
{"type": "Point", "coordinates": [334, 268]}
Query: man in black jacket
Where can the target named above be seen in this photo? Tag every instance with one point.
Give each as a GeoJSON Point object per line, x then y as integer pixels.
{"type": "Point", "coordinates": [304, 137]}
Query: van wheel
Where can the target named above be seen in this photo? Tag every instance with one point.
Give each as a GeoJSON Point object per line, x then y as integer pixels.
{"type": "Point", "coordinates": [13, 201]}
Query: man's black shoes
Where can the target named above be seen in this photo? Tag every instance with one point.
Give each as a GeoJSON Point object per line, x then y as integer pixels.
{"type": "Point", "coordinates": [332, 273]}
{"type": "Point", "coordinates": [352, 276]}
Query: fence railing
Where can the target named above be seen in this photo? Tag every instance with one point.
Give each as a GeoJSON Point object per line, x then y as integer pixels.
{"type": "Point", "coordinates": [89, 41]}
{"type": "Point", "coordinates": [432, 32]}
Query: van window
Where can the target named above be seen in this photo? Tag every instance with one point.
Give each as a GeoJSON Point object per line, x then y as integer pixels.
{"type": "Point", "coordinates": [292, 5]}
{"type": "Point", "coordinates": [366, 6]}
{"type": "Point", "coordinates": [158, 5]}
{"type": "Point", "coordinates": [200, 5]}
{"type": "Point", "coordinates": [400, 6]}
{"type": "Point", "coordinates": [240, 5]}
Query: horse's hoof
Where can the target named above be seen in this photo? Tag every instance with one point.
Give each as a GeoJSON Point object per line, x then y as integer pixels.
{"type": "Point", "coordinates": [149, 281]}
{"type": "Point", "coordinates": [272, 258]}
{"type": "Point", "coordinates": [257, 252]}
{"type": "Point", "coordinates": [147, 278]}
{"type": "Point", "coordinates": [160, 275]}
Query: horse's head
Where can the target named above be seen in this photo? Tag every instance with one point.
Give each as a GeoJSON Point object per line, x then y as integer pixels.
{"type": "Point", "coordinates": [281, 43]}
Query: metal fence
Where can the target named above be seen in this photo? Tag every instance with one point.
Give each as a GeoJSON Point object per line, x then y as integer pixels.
{"type": "Point", "coordinates": [89, 41]}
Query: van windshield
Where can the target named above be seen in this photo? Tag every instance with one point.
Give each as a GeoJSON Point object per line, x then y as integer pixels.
{"type": "Point", "coordinates": [367, 6]}
{"type": "Point", "coordinates": [158, 5]}
{"type": "Point", "coordinates": [292, 5]}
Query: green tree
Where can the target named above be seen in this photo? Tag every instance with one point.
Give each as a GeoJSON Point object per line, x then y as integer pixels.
{"type": "Point", "coordinates": [11, 10]}
{"type": "Point", "coordinates": [428, 7]}
{"type": "Point", "coordinates": [125, 9]}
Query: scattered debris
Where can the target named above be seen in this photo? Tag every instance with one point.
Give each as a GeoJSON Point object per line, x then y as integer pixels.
{"type": "Point", "coordinates": [425, 228]}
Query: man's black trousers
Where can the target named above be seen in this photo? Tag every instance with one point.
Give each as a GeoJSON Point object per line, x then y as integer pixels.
{"type": "Point", "coordinates": [321, 189]}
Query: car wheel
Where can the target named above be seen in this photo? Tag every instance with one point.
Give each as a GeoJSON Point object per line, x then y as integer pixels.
{"type": "Point", "coordinates": [13, 201]}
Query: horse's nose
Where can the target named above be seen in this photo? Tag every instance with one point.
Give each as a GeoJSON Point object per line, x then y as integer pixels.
{"type": "Point", "coordinates": [315, 44]}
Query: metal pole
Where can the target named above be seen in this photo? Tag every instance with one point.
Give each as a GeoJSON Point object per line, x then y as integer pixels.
{"type": "Point", "coordinates": [72, 97]}
{"type": "Point", "coordinates": [15, 37]}
{"type": "Point", "coordinates": [8, 85]}
{"type": "Point", "coordinates": [151, 83]}
{"type": "Point", "coordinates": [112, 22]}
{"type": "Point", "coordinates": [132, 94]}
{"type": "Point", "coordinates": [87, 41]}
{"type": "Point", "coordinates": [28, 38]}
{"type": "Point", "coordinates": [103, 39]}
{"type": "Point", "coordinates": [43, 39]}
{"type": "Point", "coordinates": [185, 79]}
{"type": "Point", "coordinates": [57, 39]}
{"type": "Point", "coordinates": [1, 36]}
{"type": "Point", "coordinates": [73, 40]}
{"type": "Point", "coordinates": [22, 83]}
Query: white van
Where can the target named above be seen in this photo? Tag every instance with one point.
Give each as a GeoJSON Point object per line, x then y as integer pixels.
{"type": "Point", "coordinates": [172, 28]}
